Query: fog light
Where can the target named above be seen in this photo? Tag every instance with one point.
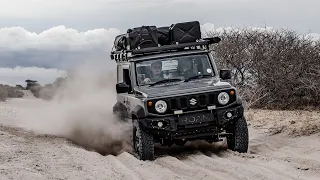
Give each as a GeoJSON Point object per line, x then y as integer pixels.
{"type": "Point", "coordinates": [229, 114]}
{"type": "Point", "coordinates": [160, 124]}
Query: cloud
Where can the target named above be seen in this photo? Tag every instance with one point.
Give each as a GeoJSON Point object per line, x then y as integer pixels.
{"type": "Point", "coordinates": [90, 14]}
{"type": "Point", "coordinates": [59, 37]}
{"type": "Point", "coordinates": [18, 75]}
{"type": "Point", "coordinates": [44, 56]}
{"type": "Point", "coordinates": [57, 47]}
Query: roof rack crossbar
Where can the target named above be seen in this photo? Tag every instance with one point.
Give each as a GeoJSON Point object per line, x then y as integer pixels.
{"type": "Point", "coordinates": [168, 47]}
{"type": "Point", "coordinates": [122, 55]}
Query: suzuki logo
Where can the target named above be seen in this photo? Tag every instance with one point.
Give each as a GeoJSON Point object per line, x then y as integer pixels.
{"type": "Point", "coordinates": [193, 101]}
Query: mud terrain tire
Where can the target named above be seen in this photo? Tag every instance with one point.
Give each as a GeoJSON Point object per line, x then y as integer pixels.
{"type": "Point", "coordinates": [240, 139]}
{"type": "Point", "coordinates": [142, 142]}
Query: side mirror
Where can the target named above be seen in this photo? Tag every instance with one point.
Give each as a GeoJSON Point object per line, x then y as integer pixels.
{"type": "Point", "coordinates": [122, 87]}
{"type": "Point", "coordinates": [225, 74]}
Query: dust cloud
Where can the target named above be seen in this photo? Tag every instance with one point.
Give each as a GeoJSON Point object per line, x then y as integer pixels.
{"type": "Point", "coordinates": [81, 111]}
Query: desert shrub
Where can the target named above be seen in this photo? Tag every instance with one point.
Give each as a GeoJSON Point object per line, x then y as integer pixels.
{"type": "Point", "coordinates": [14, 93]}
{"type": "Point", "coordinates": [3, 93]}
{"type": "Point", "coordinates": [7, 91]}
{"type": "Point", "coordinates": [19, 87]}
{"type": "Point", "coordinates": [34, 87]}
{"type": "Point", "coordinates": [48, 91]}
{"type": "Point", "coordinates": [271, 68]}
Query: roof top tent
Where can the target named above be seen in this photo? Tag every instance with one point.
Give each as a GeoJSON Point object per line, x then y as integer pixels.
{"type": "Point", "coordinates": [146, 40]}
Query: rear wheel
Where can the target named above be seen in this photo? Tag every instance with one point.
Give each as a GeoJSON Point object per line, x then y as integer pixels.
{"type": "Point", "coordinates": [143, 142]}
{"type": "Point", "coordinates": [239, 140]}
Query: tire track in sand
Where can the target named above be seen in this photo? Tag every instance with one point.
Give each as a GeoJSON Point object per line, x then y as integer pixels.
{"type": "Point", "coordinates": [147, 169]}
{"type": "Point", "coordinates": [41, 157]}
{"type": "Point", "coordinates": [185, 170]}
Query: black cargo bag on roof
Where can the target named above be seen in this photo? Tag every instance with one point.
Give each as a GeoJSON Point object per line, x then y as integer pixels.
{"type": "Point", "coordinates": [120, 42]}
{"type": "Point", "coordinates": [143, 37]}
{"type": "Point", "coordinates": [164, 35]}
{"type": "Point", "coordinates": [185, 32]}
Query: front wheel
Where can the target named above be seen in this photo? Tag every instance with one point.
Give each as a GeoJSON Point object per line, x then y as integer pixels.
{"type": "Point", "coordinates": [239, 140]}
{"type": "Point", "coordinates": [143, 142]}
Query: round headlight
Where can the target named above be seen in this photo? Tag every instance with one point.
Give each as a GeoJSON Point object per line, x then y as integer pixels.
{"type": "Point", "coordinates": [223, 98]}
{"type": "Point", "coordinates": [161, 106]}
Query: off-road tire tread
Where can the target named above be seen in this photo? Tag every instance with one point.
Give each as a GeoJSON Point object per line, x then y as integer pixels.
{"type": "Point", "coordinates": [241, 138]}
{"type": "Point", "coordinates": [146, 149]}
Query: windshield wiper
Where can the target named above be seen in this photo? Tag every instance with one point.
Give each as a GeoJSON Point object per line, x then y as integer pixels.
{"type": "Point", "coordinates": [197, 76]}
{"type": "Point", "coordinates": [165, 80]}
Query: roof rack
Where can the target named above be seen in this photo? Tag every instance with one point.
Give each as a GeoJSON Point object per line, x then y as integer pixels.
{"type": "Point", "coordinates": [124, 55]}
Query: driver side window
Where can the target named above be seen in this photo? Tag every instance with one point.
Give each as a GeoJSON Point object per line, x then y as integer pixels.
{"type": "Point", "coordinates": [126, 77]}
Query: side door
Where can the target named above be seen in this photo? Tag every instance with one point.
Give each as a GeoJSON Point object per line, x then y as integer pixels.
{"type": "Point", "coordinates": [123, 103]}
{"type": "Point", "coordinates": [126, 79]}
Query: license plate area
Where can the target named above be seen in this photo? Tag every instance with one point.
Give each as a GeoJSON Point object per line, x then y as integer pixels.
{"type": "Point", "coordinates": [198, 118]}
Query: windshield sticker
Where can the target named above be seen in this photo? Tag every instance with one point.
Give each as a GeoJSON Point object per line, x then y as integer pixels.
{"type": "Point", "coordinates": [209, 71]}
{"type": "Point", "coordinates": [169, 65]}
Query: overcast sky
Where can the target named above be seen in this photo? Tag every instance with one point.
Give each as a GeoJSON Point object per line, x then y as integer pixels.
{"type": "Point", "coordinates": [53, 35]}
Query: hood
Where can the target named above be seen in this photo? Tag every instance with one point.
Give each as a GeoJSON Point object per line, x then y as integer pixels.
{"type": "Point", "coordinates": [180, 88]}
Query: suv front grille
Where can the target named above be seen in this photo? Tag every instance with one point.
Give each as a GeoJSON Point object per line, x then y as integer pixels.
{"type": "Point", "coordinates": [191, 102]}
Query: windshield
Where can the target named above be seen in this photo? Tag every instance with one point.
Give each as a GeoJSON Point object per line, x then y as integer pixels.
{"type": "Point", "coordinates": [175, 68]}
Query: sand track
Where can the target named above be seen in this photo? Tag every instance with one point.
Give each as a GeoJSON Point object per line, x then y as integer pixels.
{"type": "Point", "coordinates": [25, 155]}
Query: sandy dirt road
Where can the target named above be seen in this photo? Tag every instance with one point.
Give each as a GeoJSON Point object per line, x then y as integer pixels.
{"type": "Point", "coordinates": [277, 150]}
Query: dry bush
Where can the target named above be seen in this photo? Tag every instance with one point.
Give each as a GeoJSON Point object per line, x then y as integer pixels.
{"type": "Point", "coordinates": [34, 87]}
{"type": "Point", "coordinates": [276, 69]}
{"type": "Point", "coordinates": [49, 91]}
{"type": "Point", "coordinates": [3, 93]}
{"type": "Point", "coordinates": [46, 92]}
{"type": "Point", "coordinates": [7, 91]}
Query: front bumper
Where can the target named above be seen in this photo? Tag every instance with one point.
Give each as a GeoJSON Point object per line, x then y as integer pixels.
{"type": "Point", "coordinates": [203, 123]}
